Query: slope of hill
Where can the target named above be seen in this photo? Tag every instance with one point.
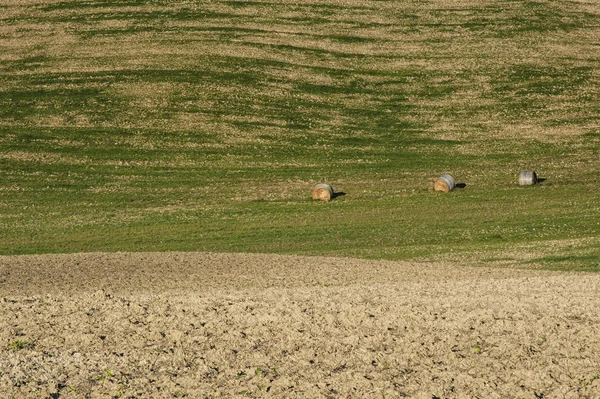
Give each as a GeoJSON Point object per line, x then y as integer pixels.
{"type": "Point", "coordinates": [184, 125]}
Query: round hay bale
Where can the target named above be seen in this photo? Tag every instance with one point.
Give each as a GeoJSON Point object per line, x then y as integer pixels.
{"type": "Point", "coordinates": [527, 178]}
{"type": "Point", "coordinates": [444, 183]}
{"type": "Point", "coordinates": [323, 192]}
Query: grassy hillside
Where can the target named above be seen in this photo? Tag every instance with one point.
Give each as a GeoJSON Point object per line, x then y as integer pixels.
{"type": "Point", "coordinates": [203, 125]}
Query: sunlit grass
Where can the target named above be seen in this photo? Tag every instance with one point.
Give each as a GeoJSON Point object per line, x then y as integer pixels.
{"type": "Point", "coordinates": [130, 126]}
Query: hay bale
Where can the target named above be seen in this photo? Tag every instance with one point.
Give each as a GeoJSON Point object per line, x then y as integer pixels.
{"type": "Point", "coordinates": [527, 178]}
{"type": "Point", "coordinates": [444, 183]}
{"type": "Point", "coordinates": [323, 192]}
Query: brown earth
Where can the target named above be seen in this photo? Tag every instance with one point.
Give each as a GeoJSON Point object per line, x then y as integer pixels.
{"type": "Point", "coordinates": [158, 325]}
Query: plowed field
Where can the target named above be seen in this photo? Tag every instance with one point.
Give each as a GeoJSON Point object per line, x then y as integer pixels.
{"type": "Point", "coordinates": [141, 325]}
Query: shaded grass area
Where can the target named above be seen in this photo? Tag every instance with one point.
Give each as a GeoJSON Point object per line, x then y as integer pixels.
{"type": "Point", "coordinates": [141, 126]}
{"type": "Point", "coordinates": [588, 262]}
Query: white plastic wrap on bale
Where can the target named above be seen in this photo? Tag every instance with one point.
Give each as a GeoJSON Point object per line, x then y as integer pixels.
{"type": "Point", "coordinates": [444, 183]}
{"type": "Point", "coordinates": [527, 178]}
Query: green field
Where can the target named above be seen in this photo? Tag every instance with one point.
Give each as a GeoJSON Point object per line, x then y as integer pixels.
{"type": "Point", "coordinates": [203, 126]}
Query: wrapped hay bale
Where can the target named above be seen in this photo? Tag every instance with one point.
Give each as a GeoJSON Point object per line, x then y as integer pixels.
{"type": "Point", "coordinates": [444, 183]}
{"type": "Point", "coordinates": [323, 192]}
{"type": "Point", "coordinates": [527, 178]}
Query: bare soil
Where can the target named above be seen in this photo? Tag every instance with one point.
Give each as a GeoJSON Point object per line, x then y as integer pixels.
{"type": "Point", "coordinates": [141, 325]}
